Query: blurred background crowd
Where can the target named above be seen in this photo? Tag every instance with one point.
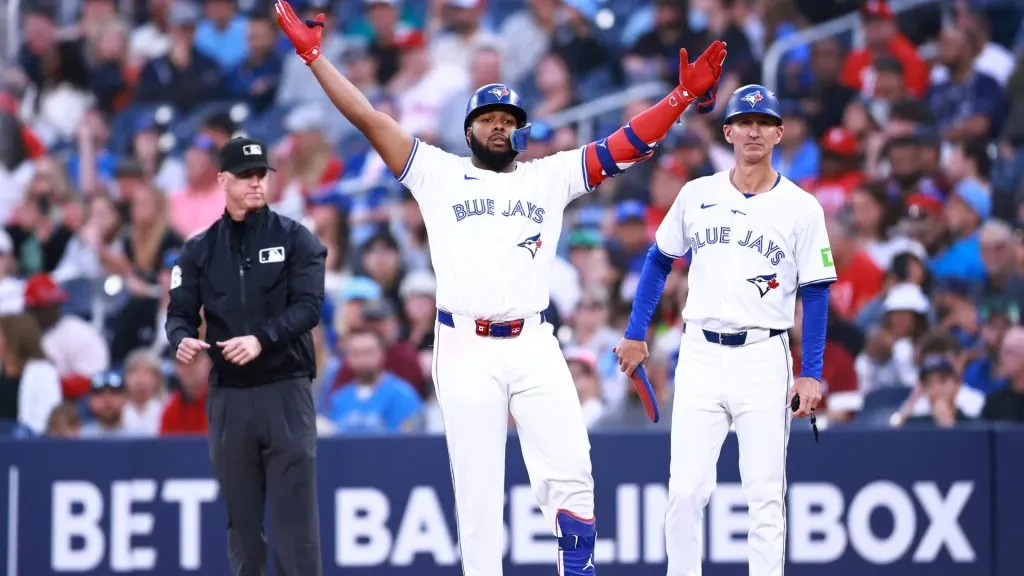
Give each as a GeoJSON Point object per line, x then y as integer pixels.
{"type": "Point", "coordinates": [904, 119]}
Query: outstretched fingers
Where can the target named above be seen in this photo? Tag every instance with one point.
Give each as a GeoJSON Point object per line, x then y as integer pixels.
{"type": "Point", "coordinates": [285, 13]}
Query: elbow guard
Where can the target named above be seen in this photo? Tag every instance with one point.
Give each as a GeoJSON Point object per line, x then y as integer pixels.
{"type": "Point", "coordinates": [634, 142]}
{"type": "Point", "coordinates": [611, 156]}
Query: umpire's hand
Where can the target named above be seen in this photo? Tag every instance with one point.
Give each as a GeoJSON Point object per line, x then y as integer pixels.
{"type": "Point", "coordinates": [188, 348]}
{"type": "Point", "coordinates": [240, 350]}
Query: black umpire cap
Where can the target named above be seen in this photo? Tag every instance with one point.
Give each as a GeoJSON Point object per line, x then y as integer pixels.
{"type": "Point", "coordinates": [241, 154]}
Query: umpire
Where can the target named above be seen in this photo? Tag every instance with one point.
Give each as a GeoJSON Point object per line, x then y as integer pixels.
{"type": "Point", "coordinates": [259, 278]}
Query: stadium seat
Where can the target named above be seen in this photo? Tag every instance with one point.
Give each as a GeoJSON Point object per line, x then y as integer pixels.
{"type": "Point", "coordinates": [889, 398]}
{"type": "Point", "coordinates": [879, 406]}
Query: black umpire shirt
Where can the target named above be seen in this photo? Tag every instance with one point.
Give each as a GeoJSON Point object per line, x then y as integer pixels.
{"type": "Point", "coordinates": [263, 277]}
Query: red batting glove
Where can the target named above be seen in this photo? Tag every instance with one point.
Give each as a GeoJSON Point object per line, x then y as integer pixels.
{"type": "Point", "coordinates": [305, 35]}
{"type": "Point", "coordinates": [702, 75]}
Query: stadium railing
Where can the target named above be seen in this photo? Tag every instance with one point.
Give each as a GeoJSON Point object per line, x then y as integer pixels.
{"type": "Point", "coordinates": [835, 27]}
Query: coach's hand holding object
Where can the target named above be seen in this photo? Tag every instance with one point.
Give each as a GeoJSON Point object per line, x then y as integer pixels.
{"type": "Point", "coordinates": [809, 391]}
{"type": "Point", "coordinates": [188, 348]}
{"type": "Point", "coordinates": [631, 353]}
{"type": "Point", "coordinates": [306, 35]}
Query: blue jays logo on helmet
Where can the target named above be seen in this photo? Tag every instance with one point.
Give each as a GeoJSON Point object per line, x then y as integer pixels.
{"type": "Point", "coordinates": [753, 98]}
{"type": "Point", "coordinates": [500, 92]}
{"type": "Point", "coordinates": [764, 283]}
{"type": "Point", "coordinates": [532, 244]}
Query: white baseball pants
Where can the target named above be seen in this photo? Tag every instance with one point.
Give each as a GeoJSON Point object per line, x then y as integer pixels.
{"type": "Point", "coordinates": [478, 381]}
{"type": "Point", "coordinates": [716, 386]}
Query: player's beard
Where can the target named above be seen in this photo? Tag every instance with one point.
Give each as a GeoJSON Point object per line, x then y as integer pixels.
{"type": "Point", "coordinates": [496, 160]}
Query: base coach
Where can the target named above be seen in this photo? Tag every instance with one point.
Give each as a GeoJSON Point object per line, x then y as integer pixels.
{"type": "Point", "coordinates": [259, 278]}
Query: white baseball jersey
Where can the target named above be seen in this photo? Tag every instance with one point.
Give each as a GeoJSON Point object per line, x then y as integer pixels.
{"type": "Point", "coordinates": [493, 234]}
{"type": "Point", "coordinates": [750, 252]}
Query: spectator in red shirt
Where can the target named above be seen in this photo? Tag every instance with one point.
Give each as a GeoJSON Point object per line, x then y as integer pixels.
{"type": "Point", "coordinates": [185, 413]}
{"type": "Point", "coordinates": [840, 169]}
{"type": "Point", "coordinates": [882, 38]}
{"type": "Point", "coordinates": [859, 278]}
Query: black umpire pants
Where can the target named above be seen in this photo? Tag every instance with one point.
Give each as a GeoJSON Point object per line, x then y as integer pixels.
{"type": "Point", "coordinates": [263, 451]}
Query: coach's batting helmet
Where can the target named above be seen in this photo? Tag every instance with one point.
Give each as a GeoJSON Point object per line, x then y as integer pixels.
{"type": "Point", "coordinates": [752, 99]}
{"type": "Point", "coordinates": [500, 97]}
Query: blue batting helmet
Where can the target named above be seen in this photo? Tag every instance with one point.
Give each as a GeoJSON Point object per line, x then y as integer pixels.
{"type": "Point", "coordinates": [500, 97]}
{"type": "Point", "coordinates": [752, 99]}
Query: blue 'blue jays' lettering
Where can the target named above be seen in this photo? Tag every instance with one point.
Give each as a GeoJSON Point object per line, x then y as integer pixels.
{"type": "Point", "coordinates": [473, 208]}
{"type": "Point", "coordinates": [720, 235]}
{"type": "Point", "coordinates": [773, 252]}
{"type": "Point", "coordinates": [532, 211]}
{"type": "Point", "coordinates": [483, 206]}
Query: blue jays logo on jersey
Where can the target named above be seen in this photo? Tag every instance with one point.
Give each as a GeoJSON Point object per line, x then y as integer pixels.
{"type": "Point", "coordinates": [500, 92]}
{"type": "Point", "coordinates": [753, 98]}
{"type": "Point", "coordinates": [764, 283]}
{"type": "Point", "coordinates": [533, 243]}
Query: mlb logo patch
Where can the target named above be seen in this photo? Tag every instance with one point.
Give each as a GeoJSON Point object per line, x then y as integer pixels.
{"type": "Point", "coordinates": [272, 255]}
{"type": "Point", "coordinates": [175, 277]}
{"type": "Point", "coordinates": [252, 150]}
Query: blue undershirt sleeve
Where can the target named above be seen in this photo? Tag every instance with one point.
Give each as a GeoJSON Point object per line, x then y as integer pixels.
{"type": "Point", "coordinates": [648, 292]}
{"type": "Point", "coordinates": [815, 301]}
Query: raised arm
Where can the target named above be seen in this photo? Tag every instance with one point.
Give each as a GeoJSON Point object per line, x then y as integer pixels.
{"type": "Point", "coordinates": [635, 141]}
{"type": "Point", "coordinates": [385, 135]}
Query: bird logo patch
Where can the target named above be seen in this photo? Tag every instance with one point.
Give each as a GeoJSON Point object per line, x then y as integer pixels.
{"type": "Point", "coordinates": [500, 92]}
{"type": "Point", "coordinates": [532, 244]}
{"type": "Point", "coordinates": [753, 98]}
{"type": "Point", "coordinates": [764, 283]}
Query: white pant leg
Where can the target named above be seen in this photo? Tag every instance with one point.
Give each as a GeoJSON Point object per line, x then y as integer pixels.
{"type": "Point", "coordinates": [762, 376]}
{"type": "Point", "coordinates": [553, 435]}
{"type": "Point", "coordinates": [700, 423]}
{"type": "Point", "coordinates": [474, 407]}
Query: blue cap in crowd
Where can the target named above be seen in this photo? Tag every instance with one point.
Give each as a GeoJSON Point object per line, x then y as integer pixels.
{"type": "Point", "coordinates": [630, 210]}
{"type": "Point", "coordinates": [976, 196]}
{"type": "Point", "coordinates": [935, 363]}
{"type": "Point", "coordinates": [541, 132]}
{"type": "Point", "coordinates": [590, 217]}
{"type": "Point", "coordinates": [360, 288]}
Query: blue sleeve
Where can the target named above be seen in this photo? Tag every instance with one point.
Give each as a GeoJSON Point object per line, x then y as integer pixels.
{"type": "Point", "coordinates": [405, 405]}
{"type": "Point", "coordinates": [648, 292]}
{"type": "Point", "coordinates": [815, 300]}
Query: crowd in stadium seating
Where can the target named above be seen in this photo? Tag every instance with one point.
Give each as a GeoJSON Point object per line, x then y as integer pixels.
{"type": "Point", "coordinates": [909, 130]}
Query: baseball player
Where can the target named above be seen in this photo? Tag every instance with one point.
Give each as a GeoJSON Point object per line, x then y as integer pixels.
{"type": "Point", "coordinates": [493, 223]}
{"type": "Point", "coordinates": [755, 239]}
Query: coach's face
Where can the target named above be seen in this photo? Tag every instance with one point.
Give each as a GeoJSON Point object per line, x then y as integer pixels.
{"type": "Point", "coordinates": [753, 136]}
{"type": "Point", "coordinates": [246, 189]}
